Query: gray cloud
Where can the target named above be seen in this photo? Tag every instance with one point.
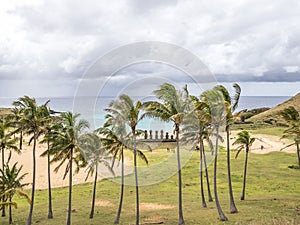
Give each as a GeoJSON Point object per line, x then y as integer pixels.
{"type": "Point", "coordinates": [248, 41]}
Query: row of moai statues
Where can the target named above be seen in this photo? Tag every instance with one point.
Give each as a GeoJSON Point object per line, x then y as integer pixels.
{"type": "Point", "coordinates": [156, 135]}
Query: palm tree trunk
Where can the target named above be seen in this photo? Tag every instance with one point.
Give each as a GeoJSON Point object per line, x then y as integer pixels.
{"type": "Point", "coordinates": [117, 220]}
{"type": "Point", "coordinates": [298, 154]}
{"type": "Point", "coordinates": [94, 193]}
{"type": "Point", "coordinates": [220, 211]}
{"type": "Point", "coordinates": [233, 208]}
{"type": "Point", "coordinates": [50, 213]}
{"type": "Point", "coordinates": [136, 181]}
{"type": "Point", "coordinates": [210, 199]}
{"type": "Point", "coordinates": [29, 220]}
{"type": "Point", "coordinates": [180, 211]}
{"type": "Point", "coordinates": [245, 173]}
{"type": "Point", "coordinates": [10, 212]}
{"type": "Point", "coordinates": [201, 172]}
{"type": "Point", "coordinates": [3, 198]}
{"type": "Point", "coordinates": [21, 140]}
{"type": "Point", "coordinates": [70, 188]}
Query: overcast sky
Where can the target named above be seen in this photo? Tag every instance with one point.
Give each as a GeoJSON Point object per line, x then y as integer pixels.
{"type": "Point", "coordinates": [47, 46]}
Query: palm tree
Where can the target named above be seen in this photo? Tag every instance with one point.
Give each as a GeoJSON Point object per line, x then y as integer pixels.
{"type": "Point", "coordinates": [127, 112]}
{"type": "Point", "coordinates": [193, 132]}
{"type": "Point", "coordinates": [116, 140]}
{"type": "Point", "coordinates": [231, 105]}
{"type": "Point", "coordinates": [14, 121]}
{"type": "Point", "coordinates": [95, 154]}
{"type": "Point", "coordinates": [210, 144]}
{"type": "Point", "coordinates": [6, 142]}
{"type": "Point", "coordinates": [245, 142]}
{"type": "Point", "coordinates": [291, 116]}
{"type": "Point", "coordinates": [33, 118]}
{"type": "Point", "coordinates": [46, 129]}
{"type": "Point", "coordinates": [10, 184]}
{"type": "Point", "coordinates": [174, 107]}
{"type": "Point", "coordinates": [115, 144]}
{"type": "Point", "coordinates": [65, 148]}
{"type": "Point", "coordinates": [215, 101]}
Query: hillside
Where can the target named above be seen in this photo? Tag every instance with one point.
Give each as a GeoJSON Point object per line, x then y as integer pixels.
{"type": "Point", "coordinates": [271, 116]}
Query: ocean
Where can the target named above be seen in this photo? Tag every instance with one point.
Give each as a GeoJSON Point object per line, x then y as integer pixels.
{"type": "Point", "coordinates": [92, 109]}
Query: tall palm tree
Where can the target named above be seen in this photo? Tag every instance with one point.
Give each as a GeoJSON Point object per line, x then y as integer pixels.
{"type": "Point", "coordinates": [245, 142]}
{"type": "Point", "coordinates": [33, 118]}
{"type": "Point", "coordinates": [193, 132]}
{"type": "Point", "coordinates": [231, 105]}
{"type": "Point", "coordinates": [174, 107]}
{"type": "Point", "coordinates": [215, 101]}
{"type": "Point", "coordinates": [10, 184]}
{"type": "Point", "coordinates": [116, 140]}
{"type": "Point", "coordinates": [291, 116]}
{"type": "Point", "coordinates": [127, 112]}
{"type": "Point", "coordinates": [46, 129]}
{"type": "Point", "coordinates": [6, 143]}
{"type": "Point", "coordinates": [65, 148]}
{"type": "Point", "coordinates": [95, 154]}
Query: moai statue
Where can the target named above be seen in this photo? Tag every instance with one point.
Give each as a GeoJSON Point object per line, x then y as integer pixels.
{"type": "Point", "coordinates": [150, 132]}
{"type": "Point", "coordinates": [167, 135]}
{"type": "Point", "coordinates": [156, 134]}
{"type": "Point", "coordinates": [161, 134]}
{"type": "Point", "coordinates": [145, 134]}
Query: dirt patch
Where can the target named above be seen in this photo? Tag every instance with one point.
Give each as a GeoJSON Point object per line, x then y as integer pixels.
{"type": "Point", "coordinates": [104, 203]}
{"type": "Point", "coordinates": [266, 143]}
{"type": "Point", "coordinates": [154, 218]}
{"type": "Point", "coordinates": [152, 206]}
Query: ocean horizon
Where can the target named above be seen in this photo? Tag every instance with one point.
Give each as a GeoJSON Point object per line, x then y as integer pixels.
{"type": "Point", "coordinates": [95, 114]}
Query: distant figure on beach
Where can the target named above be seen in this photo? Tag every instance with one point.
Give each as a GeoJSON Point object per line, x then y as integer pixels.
{"type": "Point", "coordinates": [168, 149]}
{"type": "Point", "coordinates": [261, 147]}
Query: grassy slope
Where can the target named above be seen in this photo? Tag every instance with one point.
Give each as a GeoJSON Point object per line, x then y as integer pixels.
{"type": "Point", "coordinates": [272, 196]}
{"type": "Point", "coordinates": [272, 114]}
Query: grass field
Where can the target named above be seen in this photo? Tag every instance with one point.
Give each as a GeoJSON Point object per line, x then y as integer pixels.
{"type": "Point", "coordinates": [272, 196]}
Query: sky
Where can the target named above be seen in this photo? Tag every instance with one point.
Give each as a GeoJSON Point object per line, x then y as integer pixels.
{"type": "Point", "coordinates": [47, 48]}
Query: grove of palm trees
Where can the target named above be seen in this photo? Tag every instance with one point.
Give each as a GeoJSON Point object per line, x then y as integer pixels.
{"type": "Point", "coordinates": [206, 140]}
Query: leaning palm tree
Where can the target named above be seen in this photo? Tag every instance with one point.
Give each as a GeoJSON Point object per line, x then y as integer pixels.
{"type": "Point", "coordinates": [95, 154]}
{"type": "Point", "coordinates": [291, 116]}
{"type": "Point", "coordinates": [245, 142]}
{"type": "Point", "coordinates": [174, 107]}
{"type": "Point", "coordinates": [10, 184]}
{"type": "Point", "coordinates": [215, 101]}
{"type": "Point", "coordinates": [65, 148]}
{"type": "Point", "coordinates": [127, 112]}
{"type": "Point", "coordinates": [33, 118]}
{"type": "Point", "coordinates": [6, 143]}
{"type": "Point", "coordinates": [231, 105]}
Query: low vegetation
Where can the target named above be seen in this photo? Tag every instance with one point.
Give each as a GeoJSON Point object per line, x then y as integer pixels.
{"type": "Point", "coordinates": [272, 196]}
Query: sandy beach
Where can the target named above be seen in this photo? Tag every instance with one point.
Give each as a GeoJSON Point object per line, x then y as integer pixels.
{"type": "Point", "coordinates": [270, 143]}
{"type": "Point", "coordinates": [25, 159]}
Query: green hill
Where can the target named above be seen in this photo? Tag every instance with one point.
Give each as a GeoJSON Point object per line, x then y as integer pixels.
{"type": "Point", "coordinates": [272, 116]}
